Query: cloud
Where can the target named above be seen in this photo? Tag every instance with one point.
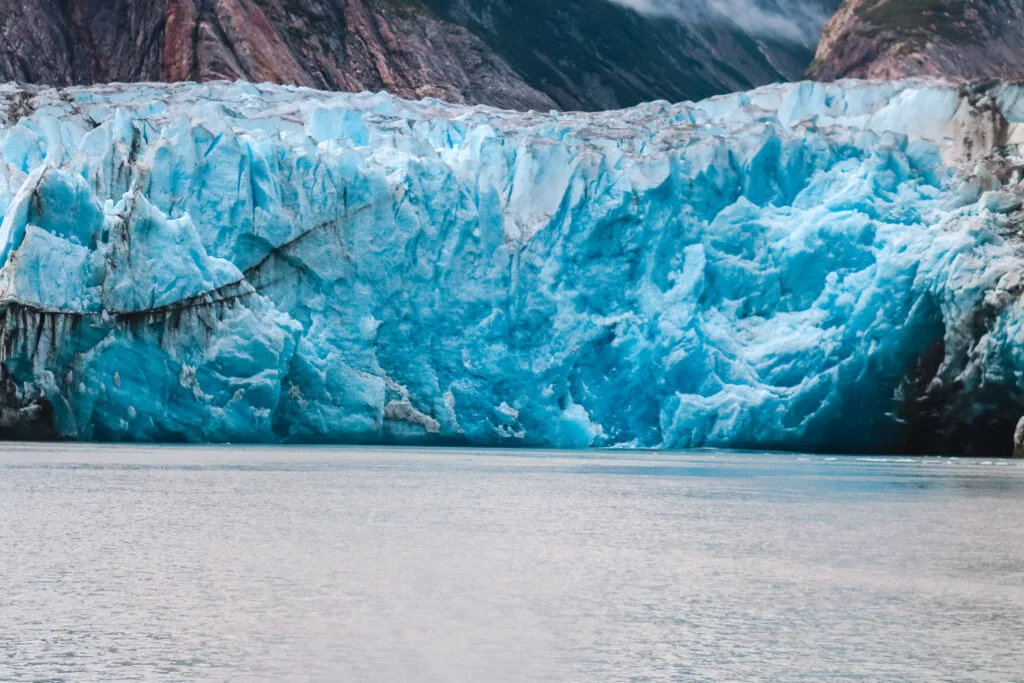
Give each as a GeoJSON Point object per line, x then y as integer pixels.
{"type": "Point", "coordinates": [798, 21]}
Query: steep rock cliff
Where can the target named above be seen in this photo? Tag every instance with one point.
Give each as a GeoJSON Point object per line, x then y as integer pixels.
{"type": "Point", "coordinates": [528, 54]}
{"type": "Point", "coordinates": [352, 45]}
{"type": "Point", "coordinates": [888, 39]}
{"type": "Point", "coordinates": [595, 54]}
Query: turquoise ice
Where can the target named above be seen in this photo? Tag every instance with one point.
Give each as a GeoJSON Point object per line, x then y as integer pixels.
{"type": "Point", "coordinates": [805, 266]}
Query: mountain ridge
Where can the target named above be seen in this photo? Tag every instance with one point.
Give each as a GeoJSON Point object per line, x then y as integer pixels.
{"type": "Point", "coordinates": [566, 54]}
{"type": "Point", "coordinates": [330, 44]}
{"type": "Point", "coordinates": [892, 39]}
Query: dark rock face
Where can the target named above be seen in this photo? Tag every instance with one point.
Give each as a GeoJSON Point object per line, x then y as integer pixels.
{"type": "Point", "coordinates": [521, 54]}
{"type": "Point", "coordinates": [394, 45]}
{"type": "Point", "coordinates": [887, 39]}
{"type": "Point", "coordinates": [596, 54]}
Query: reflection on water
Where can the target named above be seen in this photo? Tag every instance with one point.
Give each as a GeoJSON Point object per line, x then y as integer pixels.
{"type": "Point", "coordinates": [212, 564]}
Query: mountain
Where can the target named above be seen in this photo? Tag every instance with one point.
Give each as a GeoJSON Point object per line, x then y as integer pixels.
{"type": "Point", "coordinates": [828, 267]}
{"type": "Point", "coordinates": [886, 39]}
{"type": "Point", "coordinates": [521, 54]}
{"type": "Point", "coordinates": [594, 54]}
{"type": "Point", "coordinates": [395, 45]}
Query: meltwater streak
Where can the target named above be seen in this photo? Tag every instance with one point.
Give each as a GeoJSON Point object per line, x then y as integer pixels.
{"type": "Point", "coordinates": [213, 564]}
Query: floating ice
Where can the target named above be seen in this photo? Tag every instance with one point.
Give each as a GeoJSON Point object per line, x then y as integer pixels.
{"type": "Point", "coordinates": [802, 266]}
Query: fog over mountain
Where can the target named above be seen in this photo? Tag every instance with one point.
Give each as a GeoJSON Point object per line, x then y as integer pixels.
{"type": "Point", "coordinates": [799, 21]}
{"type": "Point", "coordinates": [604, 54]}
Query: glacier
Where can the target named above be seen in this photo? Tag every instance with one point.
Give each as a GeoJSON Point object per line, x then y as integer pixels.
{"type": "Point", "coordinates": [827, 267]}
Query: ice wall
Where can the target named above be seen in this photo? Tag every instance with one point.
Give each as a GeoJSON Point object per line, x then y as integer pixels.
{"type": "Point", "coordinates": [808, 266]}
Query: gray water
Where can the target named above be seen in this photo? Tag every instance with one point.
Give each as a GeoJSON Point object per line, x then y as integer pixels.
{"type": "Point", "coordinates": [217, 564]}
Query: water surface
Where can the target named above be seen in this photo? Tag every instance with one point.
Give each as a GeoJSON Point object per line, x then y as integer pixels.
{"type": "Point", "coordinates": [243, 564]}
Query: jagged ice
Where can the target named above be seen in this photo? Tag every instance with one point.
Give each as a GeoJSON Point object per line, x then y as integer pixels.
{"type": "Point", "coordinates": [803, 266]}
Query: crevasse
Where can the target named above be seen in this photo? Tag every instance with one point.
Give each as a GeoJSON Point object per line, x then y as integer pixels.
{"type": "Point", "coordinates": [829, 267]}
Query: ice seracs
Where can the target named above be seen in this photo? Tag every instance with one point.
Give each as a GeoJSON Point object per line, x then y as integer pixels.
{"type": "Point", "coordinates": [808, 266]}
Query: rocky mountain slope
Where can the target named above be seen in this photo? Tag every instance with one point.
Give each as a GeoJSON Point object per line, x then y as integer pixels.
{"type": "Point", "coordinates": [886, 39]}
{"type": "Point", "coordinates": [540, 54]}
{"type": "Point", "coordinates": [352, 45]}
{"type": "Point", "coordinates": [595, 54]}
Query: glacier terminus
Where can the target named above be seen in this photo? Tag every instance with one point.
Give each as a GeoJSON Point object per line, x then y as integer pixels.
{"type": "Point", "coordinates": [830, 267]}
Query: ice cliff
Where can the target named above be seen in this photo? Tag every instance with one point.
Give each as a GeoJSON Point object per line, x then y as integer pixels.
{"type": "Point", "coordinates": [808, 266]}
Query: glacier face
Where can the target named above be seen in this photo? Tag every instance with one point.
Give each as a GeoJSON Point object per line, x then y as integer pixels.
{"type": "Point", "coordinates": [806, 266]}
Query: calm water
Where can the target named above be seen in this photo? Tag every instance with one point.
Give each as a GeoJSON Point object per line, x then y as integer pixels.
{"type": "Point", "coordinates": [404, 565]}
